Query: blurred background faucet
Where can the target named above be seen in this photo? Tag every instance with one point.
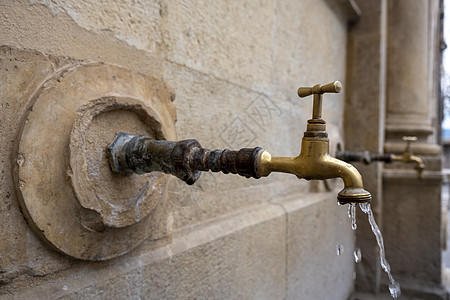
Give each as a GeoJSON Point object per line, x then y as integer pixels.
{"type": "Point", "coordinates": [366, 157]}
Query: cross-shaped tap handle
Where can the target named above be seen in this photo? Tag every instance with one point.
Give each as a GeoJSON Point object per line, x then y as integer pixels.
{"type": "Point", "coordinates": [318, 90]}
{"type": "Point", "coordinates": [333, 87]}
{"type": "Point", "coordinates": [409, 140]}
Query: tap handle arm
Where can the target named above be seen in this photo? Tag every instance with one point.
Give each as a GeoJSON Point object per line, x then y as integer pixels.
{"type": "Point", "coordinates": [318, 90]}
{"type": "Point", "coordinates": [184, 159]}
{"type": "Point", "coordinates": [409, 157]}
{"type": "Point", "coordinates": [333, 87]}
{"type": "Point", "coordinates": [409, 140]}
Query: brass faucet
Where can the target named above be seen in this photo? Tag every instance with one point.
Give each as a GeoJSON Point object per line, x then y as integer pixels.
{"type": "Point", "coordinates": [409, 157]}
{"type": "Point", "coordinates": [185, 159]}
{"type": "Point", "coordinates": [366, 157]}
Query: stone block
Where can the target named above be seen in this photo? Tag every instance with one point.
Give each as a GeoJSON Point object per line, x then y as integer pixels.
{"type": "Point", "coordinates": [235, 68]}
{"type": "Point", "coordinates": [316, 227]}
{"type": "Point", "coordinates": [228, 40]}
{"type": "Point", "coordinates": [135, 22]}
{"type": "Point", "coordinates": [88, 31]}
{"type": "Point", "coordinates": [238, 257]}
{"type": "Point", "coordinates": [304, 29]}
{"type": "Point", "coordinates": [21, 74]}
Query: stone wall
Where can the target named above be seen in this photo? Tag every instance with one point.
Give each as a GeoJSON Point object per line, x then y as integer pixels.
{"type": "Point", "coordinates": [234, 67]}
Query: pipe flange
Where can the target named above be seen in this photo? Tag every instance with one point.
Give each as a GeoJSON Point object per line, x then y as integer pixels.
{"type": "Point", "coordinates": [68, 194]}
{"type": "Point", "coordinates": [119, 200]}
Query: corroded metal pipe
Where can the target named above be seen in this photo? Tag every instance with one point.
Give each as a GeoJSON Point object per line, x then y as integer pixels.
{"type": "Point", "coordinates": [185, 159]}
{"type": "Point", "coordinates": [365, 156]}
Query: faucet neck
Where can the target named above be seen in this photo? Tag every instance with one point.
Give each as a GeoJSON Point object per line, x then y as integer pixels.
{"type": "Point", "coordinates": [316, 127]}
{"type": "Point", "coordinates": [314, 148]}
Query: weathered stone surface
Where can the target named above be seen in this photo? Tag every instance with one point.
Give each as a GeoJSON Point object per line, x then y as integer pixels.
{"type": "Point", "coordinates": [413, 238]}
{"type": "Point", "coordinates": [412, 208]}
{"type": "Point", "coordinates": [274, 187]}
{"type": "Point", "coordinates": [318, 225]}
{"type": "Point", "coordinates": [62, 115]}
{"type": "Point", "coordinates": [21, 74]}
{"type": "Point", "coordinates": [391, 92]}
{"type": "Point", "coordinates": [410, 76]}
{"type": "Point", "coordinates": [408, 82]}
{"type": "Point", "coordinates": [228, 64]}
{"type": "Point", "coordinates": [117, 200]}
{"type": "Point", "coordinates": [310, 27]}
{"type": "Point", "coordinates": [217, 37]}
{"type": "Point", "coordinates": [37, 27]}
{"type": "Point", "coordinates": [135, 22]}
{"type": "Point", "coordinates": [241, 256]}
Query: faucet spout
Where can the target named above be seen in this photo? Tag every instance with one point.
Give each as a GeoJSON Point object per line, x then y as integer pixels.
{"type": "Point", "coordinates": [314, 162]}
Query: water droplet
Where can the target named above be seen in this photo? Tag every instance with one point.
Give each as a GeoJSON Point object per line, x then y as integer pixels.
{"type": "Point", "coordinates": [357, 255]}
{"type": "Point", "coordinates": [65, 288]}
{"type": "Point", "coordinates": [339, 249]}
{"type": "Point", "coordinates": [365, 207]}
{"type": "Point", "coordinates": [352, 208]}
{"type": "Point", "coordinates": [21, 184]}
{"type": "Point", "coordinates": [354, 275]}
{"type": "Point", "coordinates": [20, 159]}
{"type": "Point", "coordinates": [394, 289]}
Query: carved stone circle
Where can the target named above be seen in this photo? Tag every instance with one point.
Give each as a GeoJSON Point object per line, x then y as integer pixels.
{"type": "Point", "coordinates": [67, 190]}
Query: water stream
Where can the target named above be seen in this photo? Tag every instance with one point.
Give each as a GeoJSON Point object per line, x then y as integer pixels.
{"type": "Point", "coordinates": [394, 287]}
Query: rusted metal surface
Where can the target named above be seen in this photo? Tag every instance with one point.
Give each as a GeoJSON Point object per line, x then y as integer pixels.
{"type": "Point", "coordinates": [183, 159]}
{"type": "Point", "coordinates": [365, 157]}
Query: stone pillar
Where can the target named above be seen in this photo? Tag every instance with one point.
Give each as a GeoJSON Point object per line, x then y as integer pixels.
{"type": "Point", "coordinates": [411, 211]}
{"type": "Point", "coordinates": [411, 73]}
{"type": "Point", "coordinates": [407, 74]}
